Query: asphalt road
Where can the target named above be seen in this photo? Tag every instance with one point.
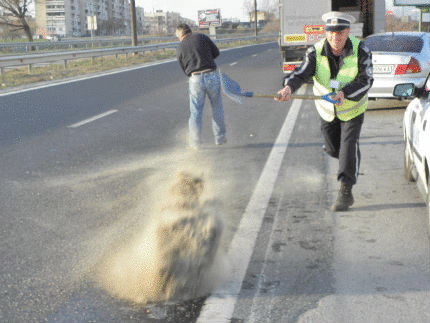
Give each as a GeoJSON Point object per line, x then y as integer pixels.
{"type": "Point", "coordinates": [81, 161]}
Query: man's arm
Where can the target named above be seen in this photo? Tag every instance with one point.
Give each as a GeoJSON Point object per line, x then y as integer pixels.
{"type": "Point", "coordinates": [213, 48]}
{"type": "Point", "coordinates": [179, 58]}
{"type": "Point", "coordinates": [299, 76]}
{"type": "Point", "coordinates": [304, 72]}
{"type": "Point", "coordinates": [362, 83]}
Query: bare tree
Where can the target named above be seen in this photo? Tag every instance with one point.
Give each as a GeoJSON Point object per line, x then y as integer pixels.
{"type": "Point", "coordinates": [248, 7]}
{"type": "Point", "coordinates": [270, 7]}
{"type": "Point", "coordinates": [15, 13]}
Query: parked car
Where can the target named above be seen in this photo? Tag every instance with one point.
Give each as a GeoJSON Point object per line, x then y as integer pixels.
{"type": "Point", "coordinates": [416, 132]}
{"type": "Point", "coordinates": [398, 57]}
{"type": "Point", "coordinates": [53, 37]}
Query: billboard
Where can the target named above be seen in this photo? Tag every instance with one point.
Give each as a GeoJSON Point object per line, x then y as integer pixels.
{"type": "Point", "coordinates": [210, 17]}
{"type": "Point", "coordinates": [419, 3]}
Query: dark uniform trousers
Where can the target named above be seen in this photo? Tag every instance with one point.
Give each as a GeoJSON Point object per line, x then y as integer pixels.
{"type": "Point", "coordinates": [341, 142]}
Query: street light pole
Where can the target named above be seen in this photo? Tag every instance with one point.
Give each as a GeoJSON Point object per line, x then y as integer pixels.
{"type": "Point", "coordinates": [255, 17]}
{"type": "Point", "coordinates": [133, 23]}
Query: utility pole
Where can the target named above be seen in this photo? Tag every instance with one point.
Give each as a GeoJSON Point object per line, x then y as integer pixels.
{"type": "Point", "coordinates": [255, 17]}
{"type": "Point", "coordinates": [133, 23]}
{"type": "Point", "coordinates": [423, 9]}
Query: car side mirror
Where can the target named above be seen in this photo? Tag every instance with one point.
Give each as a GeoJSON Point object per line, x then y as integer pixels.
{"type": "Point", "coordinates": [404, 90]}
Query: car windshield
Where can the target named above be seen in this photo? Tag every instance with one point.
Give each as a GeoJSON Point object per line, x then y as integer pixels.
{"type": "Point", "coordinates": [395, 43]}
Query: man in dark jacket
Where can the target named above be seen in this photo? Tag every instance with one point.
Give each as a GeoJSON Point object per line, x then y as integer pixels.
{"type": "Point", "coordinates": [196, 55]}
{"type": "Point", "coordinates": [342, 64]}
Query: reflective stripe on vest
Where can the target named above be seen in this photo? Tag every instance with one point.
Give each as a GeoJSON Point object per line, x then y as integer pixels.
{"type": "Point", "coordinates": [347, 73]}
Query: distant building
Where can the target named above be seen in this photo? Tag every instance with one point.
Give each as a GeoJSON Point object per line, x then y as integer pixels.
{"type": "Point", "coordinates": [230, 23]}
{"type": "Point", "coordinates": [262, 18]}
{"type": "Point", "coordinates": [159, 22]}
{"type": "Point", "coordinates": [70, 17]}
{"type": "Point", "coordinates": [140, 21]}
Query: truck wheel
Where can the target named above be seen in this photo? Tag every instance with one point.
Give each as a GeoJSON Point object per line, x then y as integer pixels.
{"type": "Point", "coordinates": [408, 162]}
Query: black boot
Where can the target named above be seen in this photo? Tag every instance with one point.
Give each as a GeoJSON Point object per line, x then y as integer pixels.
{"type": "Point", "coordinates": [344, 198]}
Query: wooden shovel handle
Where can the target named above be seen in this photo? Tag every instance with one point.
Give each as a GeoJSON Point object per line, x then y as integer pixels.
{"type": "Point", "coordinates": [294, 96]}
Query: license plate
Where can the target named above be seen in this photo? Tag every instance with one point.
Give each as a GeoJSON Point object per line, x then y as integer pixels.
{"type": "Point", "coordinates": [383, 69]}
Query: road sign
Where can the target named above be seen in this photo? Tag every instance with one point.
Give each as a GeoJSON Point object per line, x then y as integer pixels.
{"type": "Point", "coordinates": [92, 22]}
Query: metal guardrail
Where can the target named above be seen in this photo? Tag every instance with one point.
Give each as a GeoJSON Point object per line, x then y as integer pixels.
{"type": "Point", "coordinates": [76, 43]}
{"type": "Point", "coordinates": [87, 42]}
{"type": "Point", "coordinates": [31, 59]}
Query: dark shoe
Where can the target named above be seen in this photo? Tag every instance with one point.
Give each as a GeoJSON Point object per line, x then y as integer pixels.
{"type": "Point", "coordinates": [221, 141]}
{"type": "Point", "coordinates": [344, 198]}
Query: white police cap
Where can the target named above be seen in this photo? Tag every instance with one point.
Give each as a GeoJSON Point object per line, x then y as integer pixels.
{"type": "Point", "coordinates": [337, 21]}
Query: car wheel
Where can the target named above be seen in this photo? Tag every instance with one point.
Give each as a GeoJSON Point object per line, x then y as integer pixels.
{"type": "Point", "coordinates": [408, 162]}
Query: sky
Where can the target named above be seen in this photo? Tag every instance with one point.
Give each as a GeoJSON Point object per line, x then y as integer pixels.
{"type": "Point", "coordinates": [229, 8]}
{"type": "Point", "coordinates": [189, 8]}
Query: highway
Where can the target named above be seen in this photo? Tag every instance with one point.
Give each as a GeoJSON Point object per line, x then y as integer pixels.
{"type": "Point", "coordinates": [82, 161]}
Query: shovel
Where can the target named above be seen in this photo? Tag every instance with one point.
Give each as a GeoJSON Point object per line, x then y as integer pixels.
{"type": "Point", "coordinates": [233, 91]}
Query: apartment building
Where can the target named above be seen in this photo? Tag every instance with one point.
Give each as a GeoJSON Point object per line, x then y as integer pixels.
{"type": "Point", "coordinates": [159, 22]}
{"type": "Point", "coordinates": [70, 17]}
{"type": "Point", "coordinates": [140, 21]}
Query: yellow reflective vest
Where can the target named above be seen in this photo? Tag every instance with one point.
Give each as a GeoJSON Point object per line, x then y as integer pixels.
{"type": "Point", "coordinates": [347, 73]}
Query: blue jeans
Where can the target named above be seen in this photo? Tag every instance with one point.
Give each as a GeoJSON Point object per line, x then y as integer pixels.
{"type": "Point", "coordinates": [199, 86]}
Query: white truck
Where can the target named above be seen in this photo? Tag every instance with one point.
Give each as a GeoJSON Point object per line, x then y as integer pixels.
{"type": "Point", "coordinates": [301, 24]}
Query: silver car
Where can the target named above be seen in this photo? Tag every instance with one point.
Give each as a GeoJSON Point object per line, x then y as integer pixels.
{"type": "Point", "coordinates": [398, 57]}
{"type": "Point", "coordinates": [416, 132]}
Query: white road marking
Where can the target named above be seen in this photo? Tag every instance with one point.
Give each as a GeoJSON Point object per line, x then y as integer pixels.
{"type": "Point", "coordinates": [262, 305]}
{"type": "Point", "coordinates": [234, 63]}
{"type": "Point", "coordinates": [219, 307]}
{"type": "Point", "coordinates": [254, 55]}
{"type": "Point", "coordinates": [99, 116]}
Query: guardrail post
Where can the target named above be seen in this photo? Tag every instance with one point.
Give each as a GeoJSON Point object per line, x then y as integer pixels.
{"type": "Point", "coordinates": [2, 69]}
{"type": "Point", "coordinates": [30, 68]}
{"type": "Point", "coordinates": [65, 64]}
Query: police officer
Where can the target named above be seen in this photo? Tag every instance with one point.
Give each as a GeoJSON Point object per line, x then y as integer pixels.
{"type": "Point", "coordinates": [340, 63]}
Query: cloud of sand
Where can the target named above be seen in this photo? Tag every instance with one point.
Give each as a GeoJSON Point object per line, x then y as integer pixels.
{"type": "Point", "coordinates": [176, 256]}
{"type": "Point", "coordinates": [145, 248]}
